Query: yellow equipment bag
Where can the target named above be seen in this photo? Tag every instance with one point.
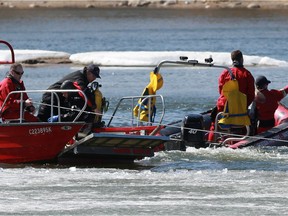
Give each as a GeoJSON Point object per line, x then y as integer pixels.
{"type": "Point", "coordinates": [235, 109]}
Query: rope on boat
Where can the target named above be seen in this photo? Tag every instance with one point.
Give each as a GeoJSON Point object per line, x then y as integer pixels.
{"type": "Point", "coordinates": [225, 133]}
{"type": "Point", "coordinates": [171, 126]}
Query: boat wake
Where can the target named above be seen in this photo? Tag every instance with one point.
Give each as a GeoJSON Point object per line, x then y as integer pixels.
{"type": "Point", "coordinates": [219, 159]}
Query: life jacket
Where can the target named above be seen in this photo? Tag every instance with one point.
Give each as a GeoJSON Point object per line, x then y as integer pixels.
{"type": "Point", "coordinates": [89, 103]}
{"type": "Point", "coordinates": [13, 86]}
{"type": "Point", "coordinates": [156, 82]}
{"type": "Point", "coordinates": [235, 110]}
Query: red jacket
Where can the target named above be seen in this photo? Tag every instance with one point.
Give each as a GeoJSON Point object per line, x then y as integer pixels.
{"type": "Point", "coordinates": [245, 81]}
{"type": "Point", "coordinates": [267, 108]}
{"type": "Point", "coordinates": [8, 85]}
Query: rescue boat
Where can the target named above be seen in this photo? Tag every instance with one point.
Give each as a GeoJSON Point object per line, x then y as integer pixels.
{"type": "Point", "coordinates": [193, 129]}
{"type": "Point", "coordinates": [22, 142]}
{"type": "Point", "coordinates": [61, 142]}
{"type": "Point", "coordinates": [27, 142]}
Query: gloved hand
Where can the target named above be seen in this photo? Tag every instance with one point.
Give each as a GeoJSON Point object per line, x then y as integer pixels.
{"type": "Point", "coordinates": [213, 113]}
{"type": "Point", "coordinates": [156, 70]}
{"type": "Point", "coordinates": [30, 109]}
{"type": "Point", "coordinates": [53, 119]}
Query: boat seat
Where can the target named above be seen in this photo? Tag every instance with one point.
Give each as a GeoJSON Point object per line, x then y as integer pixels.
{"type": "Point", "coordinates": [230, 130]}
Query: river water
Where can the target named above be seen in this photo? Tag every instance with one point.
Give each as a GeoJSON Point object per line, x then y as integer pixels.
{"type": "Point", "coordinates": [205, 181]}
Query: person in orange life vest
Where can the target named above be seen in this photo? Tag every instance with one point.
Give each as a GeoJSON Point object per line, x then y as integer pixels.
{"type": "Point", "coordinates": [11, 109]}
{"type": "Point", "coordinates": [246, 86]}
{"type": "Point", "coordinates": [74, 101]}
{"type": "Point", "coordinates": [267, 103]}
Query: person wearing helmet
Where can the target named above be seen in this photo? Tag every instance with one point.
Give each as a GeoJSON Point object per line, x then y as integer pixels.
{"type": "Point", "coordinates": [72, 104]}
{"type": "Point", "coordinates": [267, 103]}
{"type": "Point", "coordinates": [82, 78]}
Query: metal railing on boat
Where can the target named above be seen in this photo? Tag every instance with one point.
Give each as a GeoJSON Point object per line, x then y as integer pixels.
{"type": "Point", "coordinates": [140, 104]}
{"type": "Point", "coordinates": [193, 63]}
{"type": "Point", "coordinates": [11, 52]}
{"type": "Point", "coordinates": [52, 105]}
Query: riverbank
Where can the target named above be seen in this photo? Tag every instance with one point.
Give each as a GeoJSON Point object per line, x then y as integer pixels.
{"type": "Point", "coordinates": [161, 4]}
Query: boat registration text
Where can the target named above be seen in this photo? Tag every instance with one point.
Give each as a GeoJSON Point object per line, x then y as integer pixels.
{"type": "Point", "coordinates": [42, 130]}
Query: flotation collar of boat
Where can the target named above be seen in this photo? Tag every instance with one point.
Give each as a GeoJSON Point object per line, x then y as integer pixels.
{"type": "Point", "coordinates": [11, 51]}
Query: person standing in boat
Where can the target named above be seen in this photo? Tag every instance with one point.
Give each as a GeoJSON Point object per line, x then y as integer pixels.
{"type": "Point", "coordinates": [11, 109]}
{"type": "Point", "coordinates": [82, 77]}
{"type": "Point", "coordinates": [267, 102]}
{"type": "Point", "coordinates": [245, 81]}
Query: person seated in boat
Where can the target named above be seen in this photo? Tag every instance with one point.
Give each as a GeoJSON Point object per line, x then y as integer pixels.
{"type": "Point", "coordinates": [82, 77]}
{"type": "Point", "coordinates": [72, 104]}
{"type": "Point", "coordinates": [11, 109]}
{"type": "Point", "coordinates": [245, 82]}
{"type": "Point", "coordinates": [266, 103]}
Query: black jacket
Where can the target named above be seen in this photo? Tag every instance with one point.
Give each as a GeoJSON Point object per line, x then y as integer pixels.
{"type": "Point", "coordinates": [74, 103]}
{"type": "Point", "coordinates": [78, 76]}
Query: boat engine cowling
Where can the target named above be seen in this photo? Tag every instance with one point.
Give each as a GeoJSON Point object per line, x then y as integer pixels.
{"type": "Point", "coordinates": [192, 130]}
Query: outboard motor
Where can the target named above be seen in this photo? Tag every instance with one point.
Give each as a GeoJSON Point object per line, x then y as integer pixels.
{"type": "Point", "coordinates": [192, 130]}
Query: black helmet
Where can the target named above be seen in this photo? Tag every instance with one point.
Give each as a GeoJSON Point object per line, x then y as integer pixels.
{"type": "Point", "coordinates": [261, 81]}
{"type": "Point", "coordinates": [67, 84]}
{"type": "Point", "coordinates": [94, 69]}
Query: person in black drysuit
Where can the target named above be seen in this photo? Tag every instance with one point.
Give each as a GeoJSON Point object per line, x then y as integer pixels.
{"type": "Point", "coordinates": [73, 102]}
{"type": "Point", "coordinates": [83, 78]}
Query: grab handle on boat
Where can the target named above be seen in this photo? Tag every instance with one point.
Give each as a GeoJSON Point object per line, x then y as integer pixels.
{"type": "Point", "coordinates": [185, 61]}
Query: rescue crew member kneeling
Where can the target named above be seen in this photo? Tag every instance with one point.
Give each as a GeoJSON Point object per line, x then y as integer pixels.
{"type": "Point", "coordinates": [72, 104]}
{"type": "Point", "coordinates": [82, 78]}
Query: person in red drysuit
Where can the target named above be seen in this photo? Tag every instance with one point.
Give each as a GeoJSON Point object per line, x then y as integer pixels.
{"type": "Point", "coordinates": [267, 103]}
{"type": "Point", "coordinates": [11, 109]}
{"type": "Point", "coordinates": [246, 86]}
